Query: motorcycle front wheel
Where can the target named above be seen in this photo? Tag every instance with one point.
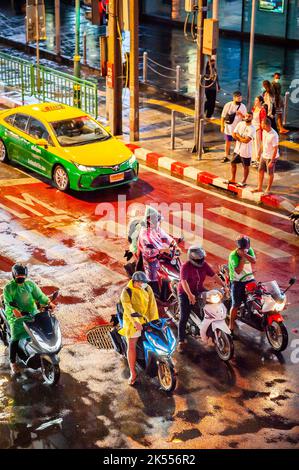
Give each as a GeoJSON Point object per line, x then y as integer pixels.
{"type": "Point", "coordinates": [277, 335]}
{"type": "Point", "coordinates": [225, 345]}
{"type": "Point", "coordinates": [166, 376]}
{"type": "Point", "coordinates": [50, 372]}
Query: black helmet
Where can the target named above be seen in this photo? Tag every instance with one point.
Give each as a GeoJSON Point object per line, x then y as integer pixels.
{"type": "Point", "coordinates": [19, 270]}
{"type": "Point", "coordinates": [196, 255]}
{"type": "Point", "coordinates": [139, 276]}
{"type": "Point", "coordinates": [243, 242]}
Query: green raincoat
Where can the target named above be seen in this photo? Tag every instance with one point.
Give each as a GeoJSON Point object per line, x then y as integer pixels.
{"type": "Point", "coordinates": [25, 297]}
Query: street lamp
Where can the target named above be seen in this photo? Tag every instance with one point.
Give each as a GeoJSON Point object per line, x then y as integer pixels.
{"type": "Point", "coordinates": [77, 41]}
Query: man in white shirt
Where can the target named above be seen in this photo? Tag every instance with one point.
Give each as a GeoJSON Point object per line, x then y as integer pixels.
{"type": "Point", "coordinates": [244, 134]}
{"type": "Point", "coordinates": [232, 113]}
{"type": "Point", "coordinates": [270, 153]}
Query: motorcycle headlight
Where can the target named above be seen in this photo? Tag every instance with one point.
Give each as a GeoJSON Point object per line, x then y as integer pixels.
{"type": "Point", "coordinates": [215, 299]}
{"type": "Point", "coordinates": [85, 168]}
{"type": "Point", "coordinates": [132, 160]}
{"type": "Point", "coordinates": [278, 307]}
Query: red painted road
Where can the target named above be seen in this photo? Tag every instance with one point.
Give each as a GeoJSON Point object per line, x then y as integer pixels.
{"type": "Point", "coordinates": [55, 223]}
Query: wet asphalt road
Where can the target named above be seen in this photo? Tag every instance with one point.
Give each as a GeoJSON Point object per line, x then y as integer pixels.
{"type": "Point", "coordinates": [251, 403]}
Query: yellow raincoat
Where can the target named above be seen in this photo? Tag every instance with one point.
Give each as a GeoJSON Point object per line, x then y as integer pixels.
{"type": "Point", "coordinates": [141, 301]}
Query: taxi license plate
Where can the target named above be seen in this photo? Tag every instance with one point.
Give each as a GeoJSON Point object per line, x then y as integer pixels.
{"type": "Point", "coordinates": [117, 177]}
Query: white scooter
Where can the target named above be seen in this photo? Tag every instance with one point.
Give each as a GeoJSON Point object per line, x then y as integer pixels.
{"type": "Point", "coordinates": [207, 320]}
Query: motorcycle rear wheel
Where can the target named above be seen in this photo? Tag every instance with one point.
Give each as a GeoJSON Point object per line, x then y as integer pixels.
{"type": "Point", "coordinates": [50, 372]}
{"type": "Point", "coordinates": [166, 376]}
{"type": "Point", "coordinates": [225, 350]}
{"type": "Point", "coordinates": [277, 335]}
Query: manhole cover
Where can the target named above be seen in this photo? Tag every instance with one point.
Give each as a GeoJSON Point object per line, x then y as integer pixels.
{"type": "Point", "coordinates": [99, 337]}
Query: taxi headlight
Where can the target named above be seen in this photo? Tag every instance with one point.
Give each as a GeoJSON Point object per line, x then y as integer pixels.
{"type": "Point", "coordinates": [85, 168]}
{"type": "Point", "coordinates": [132, 160]}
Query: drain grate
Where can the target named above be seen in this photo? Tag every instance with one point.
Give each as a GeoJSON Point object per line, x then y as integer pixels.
{"type": "Point", "coordinates": [99, 337]}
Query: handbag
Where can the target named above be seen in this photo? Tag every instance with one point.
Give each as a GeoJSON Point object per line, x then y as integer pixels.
{"type": "Point", "coordinates": [230, 117]}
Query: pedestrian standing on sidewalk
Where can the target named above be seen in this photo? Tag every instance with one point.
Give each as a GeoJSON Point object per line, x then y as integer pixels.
{"type": "Point", "coordinates": [269, 154]}
{"type": "Point", "coordinates": [279, 105]}
{"type": "Point", "coordinates": [259, 114]}
{"type": "Point", "coordinates": [244, 135]}
{"type": "Point", "coordinates": [212, 87]}
{"type": "Point", "coordinates": [232, 113]}
{"type": "Point", "coordinates": [269, 101]}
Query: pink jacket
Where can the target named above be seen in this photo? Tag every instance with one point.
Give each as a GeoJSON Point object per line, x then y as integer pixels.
{"type": "Point", "coordinates": [156, 237]}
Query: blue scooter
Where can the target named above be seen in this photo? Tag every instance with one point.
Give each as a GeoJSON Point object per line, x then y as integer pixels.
{"type": "Point", "coordinates": [154, 348]}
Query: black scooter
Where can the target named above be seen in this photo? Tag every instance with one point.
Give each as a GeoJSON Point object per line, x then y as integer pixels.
{"type": "Point", "coordinates": [40, 350]}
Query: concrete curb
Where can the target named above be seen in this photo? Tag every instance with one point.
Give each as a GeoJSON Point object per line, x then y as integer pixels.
{"type": "Point", "coordinates": [186, 172]}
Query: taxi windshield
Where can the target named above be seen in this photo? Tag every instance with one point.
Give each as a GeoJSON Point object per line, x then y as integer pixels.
{"type": "Point", "coordinates": [79, 131]}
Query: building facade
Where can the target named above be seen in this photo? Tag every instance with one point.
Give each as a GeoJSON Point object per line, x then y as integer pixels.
{"type": "Point", "coordinates": [276, 18]}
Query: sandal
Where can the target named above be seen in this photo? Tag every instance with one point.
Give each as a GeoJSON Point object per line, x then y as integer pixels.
{"type": "Point", "coordinates": [132, 380]}
{"type": "Point", "coordinates": [229, 182]}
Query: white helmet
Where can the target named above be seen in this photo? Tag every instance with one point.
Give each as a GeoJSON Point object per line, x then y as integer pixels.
{"type": "Point", "coordinates": [196, 254]}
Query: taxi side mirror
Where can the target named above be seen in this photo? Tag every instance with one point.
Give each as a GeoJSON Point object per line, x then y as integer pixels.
{"type": "Point", "coordinates": [42, 143]}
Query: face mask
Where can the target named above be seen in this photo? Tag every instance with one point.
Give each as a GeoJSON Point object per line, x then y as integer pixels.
{"type": "Point", "coordinates": [144, 286]}
{"type": "Point", "coordinates": [248, 120]}
{"type": "Point", "coordinates": [20, 280]}
{"type": "Point", "coordinates": [276, 80]}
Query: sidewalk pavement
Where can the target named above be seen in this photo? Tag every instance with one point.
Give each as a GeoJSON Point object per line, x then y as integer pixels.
{"type": "Point", "coordinates": [153, 149]}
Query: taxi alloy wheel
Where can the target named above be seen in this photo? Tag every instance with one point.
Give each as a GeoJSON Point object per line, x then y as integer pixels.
{"type": "Point", "coordinates": [61, 178]}
{"type": "Point", "coordinates": [3, 152]}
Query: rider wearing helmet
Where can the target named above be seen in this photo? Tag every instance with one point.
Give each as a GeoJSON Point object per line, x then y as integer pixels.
{"type": "Point", "coordinates": [240, 272]}
{"type": "Point", "coordinates": [192, 277]}
{"type": "Point", "coordinates": [137, 296]}
{"type": "Point", "coordinates": [20, 295]}
{"type": "Point", "coordinates": [152, 241]}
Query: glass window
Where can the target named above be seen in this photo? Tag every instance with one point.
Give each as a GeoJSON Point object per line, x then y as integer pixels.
{"type": "Point", "coordinates": [21, 121]}
{"type": "Point", "coordinates": [37, 130]}
{"type": "Point", "coordinates": [79, 131]}
{"type": "Point", "coordinates": [10, 119]}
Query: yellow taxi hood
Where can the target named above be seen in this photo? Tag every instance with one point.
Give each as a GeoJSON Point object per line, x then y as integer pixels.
{"type": "Point", "coordinates": [107, 153]}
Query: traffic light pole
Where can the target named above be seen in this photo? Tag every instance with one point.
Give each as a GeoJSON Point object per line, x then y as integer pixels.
{"type": "Point", "coordinates": [114, 82]}
{"type": "Point", "coordinates": [134, 75]}
{"type": "Point", "coordinates": [77, 41]}
{"type": "Point", "coordinates": [199, 91]}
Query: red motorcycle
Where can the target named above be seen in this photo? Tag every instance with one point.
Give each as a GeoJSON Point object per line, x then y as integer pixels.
{"type": "Point", "coordinates": [262, 309]}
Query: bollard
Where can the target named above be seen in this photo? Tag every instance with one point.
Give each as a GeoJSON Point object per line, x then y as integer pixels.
{"type": "Point", "coordinates": [84, 48]}
{"type": "Point", "coordinates": [144, 67]}
{"type": "Point", "coordinates": [172, 130]}
{"type": "Point", "coordinates": [177, 78]}
{"type": "Point", "coordinates": [286, 107]}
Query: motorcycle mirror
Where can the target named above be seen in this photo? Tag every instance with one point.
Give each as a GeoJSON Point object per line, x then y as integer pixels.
{"type": "Point", "coordinates": [292, 280]}
{"type": "Point", "coordinates": [136, 315]}
{"type": "Point", "coordinates": [54, 295]}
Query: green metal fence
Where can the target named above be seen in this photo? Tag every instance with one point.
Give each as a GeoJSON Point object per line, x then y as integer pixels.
{"type": "Point", "coordinates": [47, 84]}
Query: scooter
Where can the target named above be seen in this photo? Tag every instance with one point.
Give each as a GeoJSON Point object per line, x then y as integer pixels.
{"type": "Point", "coordinates": [154, 348]}
{"type": "Point", "coordinates": [262, 309]}
{"type": "Point", "coordinates": [294, 216]}
{"type": "Point", "coordinates": [207, 320]}
{"type": "Point", "coordinates": [40, 350]}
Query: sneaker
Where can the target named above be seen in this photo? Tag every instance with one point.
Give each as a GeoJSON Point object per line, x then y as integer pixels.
{"type": "Point", "coordinates": [14, 369]}
{"type": "Point", "coordinates": [225, 160]}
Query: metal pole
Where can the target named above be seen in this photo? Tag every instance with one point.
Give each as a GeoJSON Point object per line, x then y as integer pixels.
{"type": "Point", "coordinates": [199, 91]}
{"type": "Point", "coordinates": [177, 78]}
{"type": "Point", "coordinates": [286, 107]}
{"type": "Point", "coordinates": [57, 26]}
{"type": "Point", "coordinates": [215, 14]}
{"type": "Point", "coordinates": [115, 69]}
{"type": "Point", "coordinates": [144, 71]}
{"type": "Point", "coordinates": [134, 71]}
{"type": "Point", "coordinates": [251, 52]}
{"type": "Point", "coordinates": [172, 130]}
{"type": "Point", "coordinates": [37, 43]}
{"type": "Point", "coordinates": [77, 40]}
{"type": "Point", "coordinates": [84, 48]}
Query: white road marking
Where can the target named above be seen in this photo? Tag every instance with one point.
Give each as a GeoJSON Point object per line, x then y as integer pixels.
{"type": "Point", "coordinates": [254, 223]}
